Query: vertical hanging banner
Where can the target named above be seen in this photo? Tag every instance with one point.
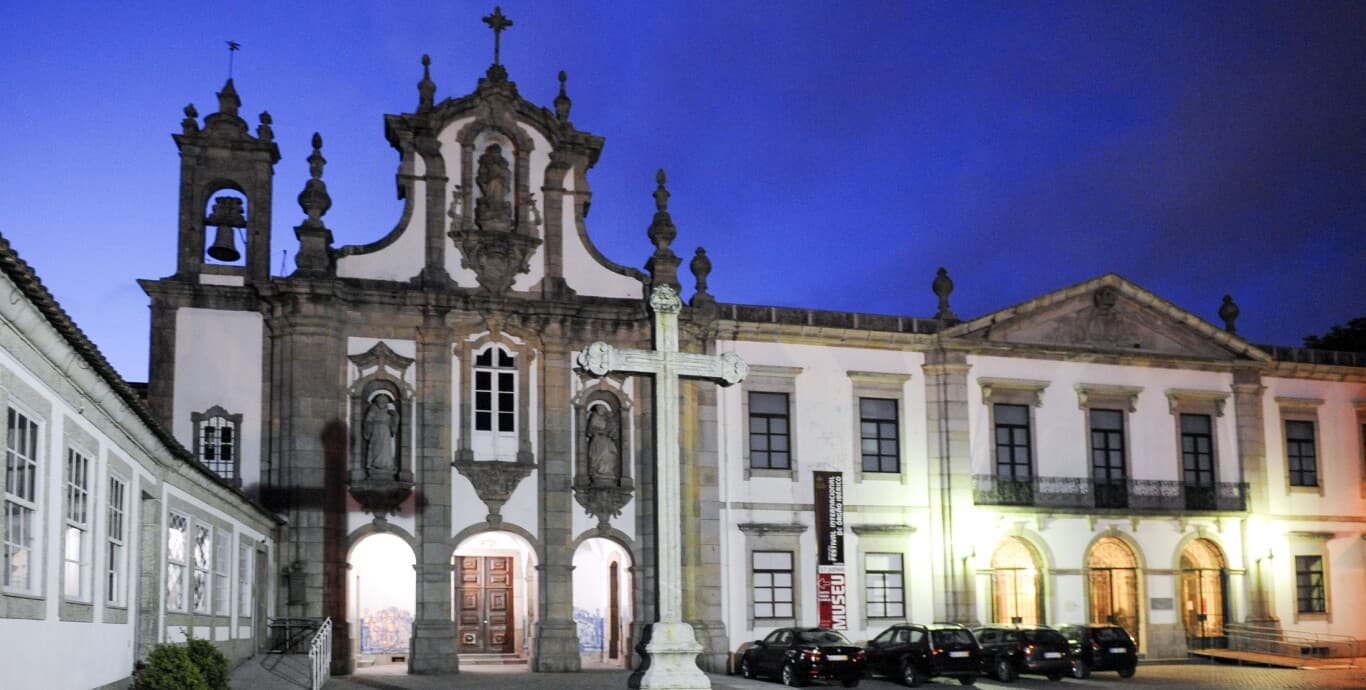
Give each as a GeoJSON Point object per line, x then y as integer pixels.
{"type": "Point", "coordinates": [831, 590]}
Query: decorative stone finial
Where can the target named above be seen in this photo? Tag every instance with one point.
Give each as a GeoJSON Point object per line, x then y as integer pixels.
{"type": "Point", "coordinates": [314, 199]}
{"type": "Point", "coordinates": [1228, 311]}
{"type": "Point", "coordinates": [191, 122]}
{"type": "Point", "coordinates": [943, 287]}
{"type": "Point", "coordinates": [228, 101]}
{"type": "Point", "coordinates": [702, 301]}
{"type": "Point", "coordinates": [315, 240]}
{"type": "Point", "coordinates": [562, 101]}
{"type": "Point", "coordinates": [663, 264]}
{"type": "Point", "coordinates": [426, 89]}
{"type": "Point", "coordinates": [496, 21]}
{"type": "Point", "coordinates": [263, 130]}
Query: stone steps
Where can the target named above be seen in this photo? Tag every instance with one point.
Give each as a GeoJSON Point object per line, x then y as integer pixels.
{"type": "Point", "coordinates": [491, 660]}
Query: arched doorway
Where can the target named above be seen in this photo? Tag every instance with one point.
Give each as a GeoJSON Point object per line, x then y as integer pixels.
{"type": "Point", "coordinates": [602, 602]}
{"type": "Point", "coordinates": [494, 594]}
{"type": "Point", "coordinates": [382, 598]}
{"type": "Point", "coordinates": [1016, 590]}
{"type": "Point", "coordinates": [1112, 573]}
{"type": "Point", "coordinates": [1204, 576]}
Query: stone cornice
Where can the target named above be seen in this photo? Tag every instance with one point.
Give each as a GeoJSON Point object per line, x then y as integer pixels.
{"type": "Point", "coordinates": [759, 529]}
{"type": "Point", "coordinates": [1087, 393]}
{"type": "Point", "coordinates": [879, 377]}
{"type": "Point", "coordinates": [990, 384]}
{"type": "Point", "coordinates": [1298, 403]}
{"type": "Point", "coordinates": [1177, 396]}
{"type": "Point", "coordinates": [882, 530]}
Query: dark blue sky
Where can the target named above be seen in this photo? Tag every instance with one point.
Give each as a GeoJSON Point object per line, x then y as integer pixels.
{"type": "Point", "coordinates": [828, 155]}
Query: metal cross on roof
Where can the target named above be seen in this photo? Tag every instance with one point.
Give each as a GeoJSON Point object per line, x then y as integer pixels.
{"type": "Point", "coordinates": [498, 23]}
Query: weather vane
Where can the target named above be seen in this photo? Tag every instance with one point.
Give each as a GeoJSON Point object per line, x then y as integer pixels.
{"type": "Point", "coordinates": [233, 46]}
{"type": "Point", "coordinates": [498, 23]}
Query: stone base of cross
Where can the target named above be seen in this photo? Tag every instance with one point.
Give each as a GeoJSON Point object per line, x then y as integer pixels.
{"type": "Point", "coordinates": [672, 650]}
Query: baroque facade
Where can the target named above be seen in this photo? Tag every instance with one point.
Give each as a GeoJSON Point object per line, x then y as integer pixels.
{"type": "Point", "coordinates": [1097, 453]}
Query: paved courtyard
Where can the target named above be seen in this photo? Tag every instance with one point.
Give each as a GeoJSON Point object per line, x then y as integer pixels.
{"type": "Point", "coordinates": [1194, 676]}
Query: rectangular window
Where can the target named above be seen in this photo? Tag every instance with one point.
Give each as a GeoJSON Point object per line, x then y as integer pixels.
{"type": "Point", "coordinates": [1300, 453]}
{"type": "Point", "coordinates": [177, 562]}
{"type": "Point", "coordinates": [21, 503]}
{"type": "Point", "coordinates": [115, 543]}
{"type": "Point", "coordinates": [76, 557]}
{"type": "Point", "coordinates": [217, 447]}
{"type": "Point", "coordinates": [1013, 463]}
{"type": "Point", "coordinates": [772, 573]}
{"type": "Point", "coordinates": [769, 435]}
{"type": "Point", "coordinates": [244, 581]}
{"type": "Point", "coordinates": [1309, 592]}
{"type": "Point", "coordinates": [199, 586]}
{"type": "Point", "coordinates": [222, 600]}
{"type": "Point", "coordinates": [884, 585]}
{"type": "Point", "coordinates": [495, 391]}
{"type": "Point", "coordinates": [1107, 459]}
{"type": "Point", "coordinates": [1197, 461]}
{"type": "Point", "coordinates": [878, 432]}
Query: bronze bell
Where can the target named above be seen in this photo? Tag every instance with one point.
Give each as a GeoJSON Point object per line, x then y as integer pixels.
{"type": "Point", "coordinates": [224, 246]}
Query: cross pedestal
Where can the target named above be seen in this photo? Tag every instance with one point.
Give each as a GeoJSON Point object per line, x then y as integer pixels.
{"type": "Point", "coordinates": [673, 647]}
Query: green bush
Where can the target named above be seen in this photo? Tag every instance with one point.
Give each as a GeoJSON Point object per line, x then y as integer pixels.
{"type": "Point", "coordinates": [211, 662]}
{"type": "Point", "coordinates": [169, 667]}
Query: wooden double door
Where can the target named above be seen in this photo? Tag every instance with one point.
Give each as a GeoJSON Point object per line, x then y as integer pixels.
{"type": "Point", "coordinates": [484, 609]}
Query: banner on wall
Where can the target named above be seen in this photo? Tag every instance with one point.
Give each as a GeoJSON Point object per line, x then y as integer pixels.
{"type": "Point", "coordinates": [831, 585]}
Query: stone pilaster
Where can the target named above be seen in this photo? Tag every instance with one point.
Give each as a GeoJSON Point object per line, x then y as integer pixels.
{"type": "Point", "coordinates": [150, 594]}
{"type": "Point", "coordinates": [1250, 430]}
{"type": "Point", "coordinates": [433, 643]}
{"type": "Point", "coordinates": [557, 639]}
{"type": "Point", "coordinates": [950, 481]}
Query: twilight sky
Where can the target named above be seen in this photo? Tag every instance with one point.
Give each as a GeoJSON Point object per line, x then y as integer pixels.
{"type": "Point", "coordinates": [828, 155]}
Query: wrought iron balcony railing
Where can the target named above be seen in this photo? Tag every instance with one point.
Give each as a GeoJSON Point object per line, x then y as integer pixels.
{"type": "Point", "coordinates": [1080, 493]}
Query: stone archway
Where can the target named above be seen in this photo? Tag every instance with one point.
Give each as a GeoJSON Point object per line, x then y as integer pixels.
{"type": "Point", "coordinates": [1204, 606]}
{"type": "Point", "coordinates": [1112, 578]}
{"type": "Point", "coordinates": [381, 590]}
{"type": "Point", "coordinates": [494, 592]}
{"type": "Point", "coordinates": [603, 596]}
{"type": "Point", "coordinates": [1016, 584]}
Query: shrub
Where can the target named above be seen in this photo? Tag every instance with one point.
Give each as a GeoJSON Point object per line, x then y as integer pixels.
{"type": "Point", "coordinates": [169, 667]}
{"type": "Point", "coordinates": [211, 662]}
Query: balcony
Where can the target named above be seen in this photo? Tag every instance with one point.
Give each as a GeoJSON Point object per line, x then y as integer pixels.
{"type": "Point", "coordinates": [1081, 493]}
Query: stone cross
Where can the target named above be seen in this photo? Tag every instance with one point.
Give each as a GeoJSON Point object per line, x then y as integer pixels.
{"type": "Point", "coordinates": [498, 23]}
{"type": "Point", "coordinates": [673, 646]}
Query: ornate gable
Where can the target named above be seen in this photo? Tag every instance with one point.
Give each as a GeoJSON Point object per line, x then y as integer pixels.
{"type": "Point", "coordinates": [1107, 314]}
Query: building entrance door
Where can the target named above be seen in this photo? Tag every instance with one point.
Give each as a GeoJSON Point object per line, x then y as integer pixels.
{"type": "Point", "coordinates": [483, 596]}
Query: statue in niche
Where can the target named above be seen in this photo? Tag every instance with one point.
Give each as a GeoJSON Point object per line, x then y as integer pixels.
{"type": "Point", "coordinates": [493, 211]}
{"type": "Point", "coordinates": [604, 452]}
{"type": "Point", "coordinates": [380, 427]}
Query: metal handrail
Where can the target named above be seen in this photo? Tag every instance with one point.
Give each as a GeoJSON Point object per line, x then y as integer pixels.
{"type": "Point", "coordinates": [1249, 637]}
{"type": "Point", "coordinates": [320, 655]}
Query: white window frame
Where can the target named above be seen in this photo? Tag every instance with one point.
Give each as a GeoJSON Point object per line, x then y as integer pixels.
{"type": "Point", "coordinates": [222, 594]}
{"type": "Point", "coordinates": [77, 559]}
{"type": "Point", "coordinates": [201, 564]}
{"type": "Point", "coordinates": [503, 444]}
{"type": "Point", "coordinates": [773, 585]}
{"type": "Point", "coordinates": [23, 504]}
{"type": "Point", "coordinates": [182, 565]}
{"type": "Point", "coordinates": [886, 601]}
{"type": "Point", "coordinates": [244, 584]}
{"type": "Point", "coordinates": [116, 541]}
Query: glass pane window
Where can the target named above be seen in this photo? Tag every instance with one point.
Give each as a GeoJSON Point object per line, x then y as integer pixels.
{"type": "Point", "coordinates": [218, 446]}
{"type": "Point", "coordinates": [115, 543]}
{"type": "Point", "coordinates": [244, 594]}
{"type": "Point", "coordinates": [21, 503]}
{"type": "Point", "coordinates": [76, 556]}
{"type": "Point", "coordinates": [769, 435]}
{"type": "Point", "coordinates": [177, 548]}
{"type": "Point", "coordinates": [772, 584]}
{"type": "Point", "coordinates": [884, 585]}
{"type": "Point", "coordinates": [199, 586]}
{"type": "Point", "coordinates": [1309, 593]}
{"type": "Point", "coordinates": [1012, 442]}
{"type": "Point", "coordinates": [1300, 453]}
{"type": "Point", "coordinates": [878, 435]}
{"type": "Point", "coordinates": [1107, 458]}
{"type": "Point", "coordinates": [495, 391]}
{"type": "Point", "coordinates": [221, 599]}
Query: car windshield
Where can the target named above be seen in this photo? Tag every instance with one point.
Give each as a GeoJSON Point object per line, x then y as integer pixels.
{"type": "Point", "coordinates": [822, 637]}
{"type": "Point", "coordinates": [1109, 635]}
{"type": "Point", "coordinates": [1043, 636]}
{"type": "Point", "coordinates": [944, 638]}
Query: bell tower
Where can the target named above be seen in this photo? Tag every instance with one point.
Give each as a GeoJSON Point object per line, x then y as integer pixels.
{"type": "Point", "coordinates": [221, 157]}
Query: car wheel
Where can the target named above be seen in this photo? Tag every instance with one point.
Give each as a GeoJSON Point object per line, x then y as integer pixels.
{"type": "Point", "coordinates": [746, 668]}
{"type": "Point", "coordinates": [1126, 672]}
{"type": "Point", "coordinates": [1080, 670]}
{"type": "Point", "coordinates": [1055, 677]}
{"type": "Point", "coordinates": [791, 678]}
{"type": "Point", "coordinates": [1004, 671]}
{"type": "Point", "coordinates": [967, 680]}
{"type": "Point", "coordinates": [910, 675]}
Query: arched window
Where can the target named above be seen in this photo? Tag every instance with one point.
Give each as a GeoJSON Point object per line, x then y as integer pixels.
{"type": "Point", "coordinates": [1203, 577]}
{"type": "Point", "coordinates": [1113, 577]}
{"type": "Point", "coordinates": [1015, 589]}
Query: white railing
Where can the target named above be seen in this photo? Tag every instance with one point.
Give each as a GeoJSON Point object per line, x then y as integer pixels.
{"type": "Point", "coordinates": [1294, 643]}
{"type": "Point", "coordinates": [320, 655]}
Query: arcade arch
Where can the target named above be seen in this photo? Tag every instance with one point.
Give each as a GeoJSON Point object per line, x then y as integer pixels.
{"type": "Point", "coordinates": [603, 610]}
{"type": "Point", "coordinates": [382, 598]}
{"type": "Point", "coordinates": [1204, 578]}
{"type": "Point", "coordinates": [1016, 584]}
{"type": "Point", "coordinates": [1112, 579]}
{"type": "Point", "coordinates": [494, 593]}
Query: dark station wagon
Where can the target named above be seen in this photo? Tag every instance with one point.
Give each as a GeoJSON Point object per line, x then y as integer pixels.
{"type": "Point", "coordinates": [799, 655]}
{"type": "Point", "coordinates": [1100, 648]}
{"type": "Point", "coordinates": [1012, 650]}
{"type": "Point", "coordinates": [915, 653]}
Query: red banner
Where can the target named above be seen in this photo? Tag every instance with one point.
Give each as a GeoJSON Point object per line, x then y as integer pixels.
{"type": "Point", "coordinates": [831, 597]}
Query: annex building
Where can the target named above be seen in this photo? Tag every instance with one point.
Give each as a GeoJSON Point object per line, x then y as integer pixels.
{"type": "Point", "coordinates": [1094, 454]}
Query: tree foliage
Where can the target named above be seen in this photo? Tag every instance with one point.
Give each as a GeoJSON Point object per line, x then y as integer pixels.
{"type": "Point", "coordinates": [1349, 338]}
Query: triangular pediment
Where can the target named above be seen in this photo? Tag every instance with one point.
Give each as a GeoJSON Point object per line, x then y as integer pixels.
{"type": "Point", "coordinates": [1107, 314]}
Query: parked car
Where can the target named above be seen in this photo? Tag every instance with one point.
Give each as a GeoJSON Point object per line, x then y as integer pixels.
{"type": "Point", "coordinates": [915, 653]}
{"type": "Point", "coordinates": [1012, 650]}
{"type": "Point", "coordinates": [1100, 648]}
{"type": "Point", "coordinates": [800, 655]}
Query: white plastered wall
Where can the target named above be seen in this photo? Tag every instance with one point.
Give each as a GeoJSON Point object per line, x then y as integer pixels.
{"type": "Point", "coordinates": [219, 362]}
{"type": "Point", "coordinates": [582, 271]}
{"type": "Point", "coordinates": [408, 254]}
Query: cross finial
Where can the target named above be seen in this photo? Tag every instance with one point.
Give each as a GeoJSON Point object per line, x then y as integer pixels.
{"type": "Point", "coordinates": [233, 46]}
{"type": "Point", "coordinates": [498, 23]}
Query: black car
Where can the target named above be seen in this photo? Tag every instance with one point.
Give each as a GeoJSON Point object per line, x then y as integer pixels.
{"type": "Point", "coordinates": [1012, 650]}
{"type": "Point", "coordinates": [800, 655]}
{"type": "Point", "coordinates": [915, 653]}
{"type": "Point", "coordinates": [1100, 648]}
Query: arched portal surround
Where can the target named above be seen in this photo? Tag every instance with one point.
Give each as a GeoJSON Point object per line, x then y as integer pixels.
{"type": "Point", "coordinates": [381, 586]}
{"type": "Point", "coordinates": [1204, 586]}
{"type": "Point", "coordinates": [1016, 583]}
{"type": "Point", "coordinates": [1114, 583]}
{"type": "Point", "coordinates": [603, 600]}
{"type": "Point", "coordinates": [494, 588]}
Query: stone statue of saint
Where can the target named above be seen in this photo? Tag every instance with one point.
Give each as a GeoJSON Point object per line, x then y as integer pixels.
{"type": "Point", "coordinates": [604, 465]}
{"type": "Point", "coordinates": [493, 211]}
{"type": "Point", "coordinates": [379, 430]}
